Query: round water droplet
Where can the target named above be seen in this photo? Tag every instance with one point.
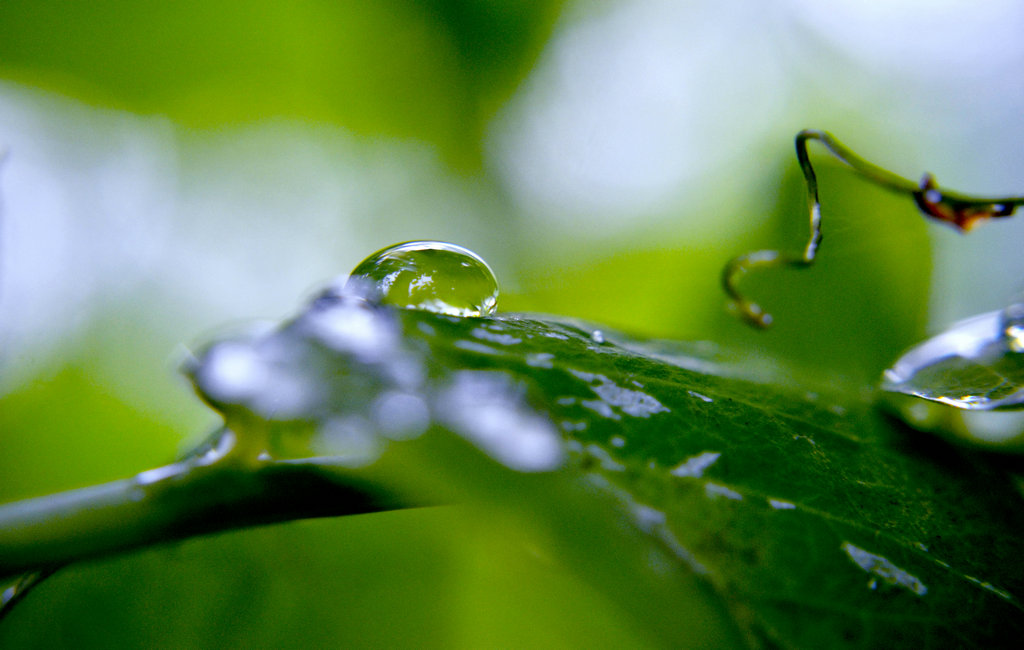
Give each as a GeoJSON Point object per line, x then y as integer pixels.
{"type": "Point", "coordinates": [976, 364]}
{"type": "Point", "coordinates": [429, 275]}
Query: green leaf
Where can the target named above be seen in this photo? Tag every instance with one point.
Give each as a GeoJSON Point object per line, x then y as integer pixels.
{"type": "Point", "coordinates": [700, 499]}
{"type": "Point", "coordinates": [816, 520]}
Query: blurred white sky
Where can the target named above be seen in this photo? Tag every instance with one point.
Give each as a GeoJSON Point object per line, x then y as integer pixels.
{"type": "Point", "coordinates": [639, 112]}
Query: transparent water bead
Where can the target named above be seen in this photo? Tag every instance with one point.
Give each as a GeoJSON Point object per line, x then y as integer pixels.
{"type": "Point", "coordinates": [429, 275]}
{"type": "Point", "coordinates": [976, 365]}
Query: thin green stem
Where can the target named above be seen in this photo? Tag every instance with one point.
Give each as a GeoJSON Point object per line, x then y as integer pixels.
{"type": "Point", "coordinates": [21, 588]}
{"type": "Point", "coordinates": [959, 210]}
{"type": "Point", "coordinates": [175, 502]}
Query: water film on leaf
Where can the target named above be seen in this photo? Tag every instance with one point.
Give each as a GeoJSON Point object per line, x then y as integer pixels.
{"type": "Point", "coordinates": [755, 490]}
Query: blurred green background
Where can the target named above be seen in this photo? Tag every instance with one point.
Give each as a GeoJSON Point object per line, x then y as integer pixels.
{"type": "Point", "coordinates": [172, 169]}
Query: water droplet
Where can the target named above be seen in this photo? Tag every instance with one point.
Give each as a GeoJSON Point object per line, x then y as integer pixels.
{"type": "Point", "coordinates": [540, 360]}
{"type": "Point", "coordinates": [615, 398]}
{"type": "Point", "coordinates": [977, 364]}
{"type": "Point", "coordinates": [882, 568]}
{"type": "Point", "coordinates": [491, 411]}
{"type": "Point", "coordinates": [399, 415]}
{"type": "Point", "coordinates": [429, 275]}
{"type": "Point", "coordinates": [597, 336]}
{"type": "Point", "coordinates": [501, 339]}
{"type": "Point", "coordinates": [694, 466]}
{"type": "Point", "coordinates": [473, 346]}
{"type": "Point", "coordinates": [714, 491]}
{"type": "Point", "coordinates": [654, 522]}
{"type": "Point", "coordinates": [779, 504]}
{"type": "Point", "coordinates": [603, 458]}
{"type": "Point", "coordinates": [160, 473]}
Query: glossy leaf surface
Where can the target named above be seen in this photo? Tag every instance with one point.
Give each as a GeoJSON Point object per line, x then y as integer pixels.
{"type": "Point", "coordinates": [810, 520]}
{"type": "Point", "coordinates": [815, 519]}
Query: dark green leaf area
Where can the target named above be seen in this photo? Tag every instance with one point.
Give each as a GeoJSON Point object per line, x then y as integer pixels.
{"type": "Point", "coordinates": [816, 518]}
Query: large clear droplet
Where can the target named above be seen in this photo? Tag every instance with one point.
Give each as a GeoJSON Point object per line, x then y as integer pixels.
{"type": "Point", "coordinates": [977, 364]}
{"type": "Point", "coordinates": [429, 275]}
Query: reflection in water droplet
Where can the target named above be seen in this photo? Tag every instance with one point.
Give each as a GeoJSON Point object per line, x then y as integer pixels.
{"type": "Point", "coordinates": [597, 336]}
{"type": "Point", "coordinates": [432, 276]}
{"type": "Point", "coordinates": [781, 505]}
{"type": "Point", "coordinates": [884, 569]}
{"type": "Point", "coordinates": [974, 365]}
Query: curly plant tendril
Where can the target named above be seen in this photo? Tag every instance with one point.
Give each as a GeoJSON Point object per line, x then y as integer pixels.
{"type": "Point", "coordinates": [962, 211]}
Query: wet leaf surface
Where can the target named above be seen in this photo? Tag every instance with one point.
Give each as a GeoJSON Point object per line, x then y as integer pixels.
{"type": "Point", "coordinates": [795, 518]}
{"type": "Point", "coordinates": [819, 521]}
{"type": "Point", "coordinates": [814, 518]}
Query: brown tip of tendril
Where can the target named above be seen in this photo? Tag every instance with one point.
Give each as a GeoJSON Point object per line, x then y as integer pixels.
{"type": "Point", "coordinates": [963, 214]}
